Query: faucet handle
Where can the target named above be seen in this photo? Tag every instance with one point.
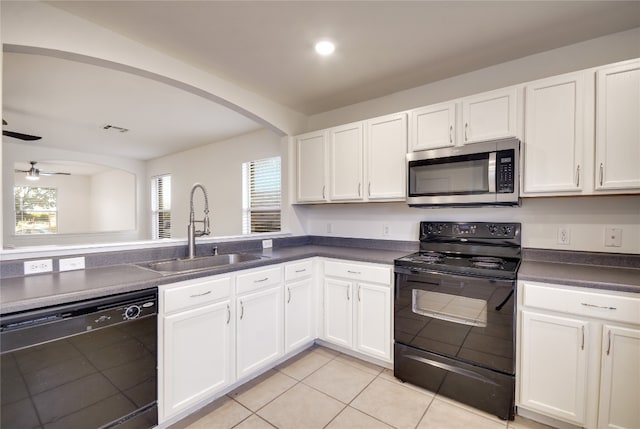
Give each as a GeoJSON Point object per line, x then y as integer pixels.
{"type": "Point", "coordinates": [215, 250]}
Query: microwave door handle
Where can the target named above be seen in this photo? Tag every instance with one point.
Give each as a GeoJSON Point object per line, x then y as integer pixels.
{"type": "Point", "coordinates": [491, 173]}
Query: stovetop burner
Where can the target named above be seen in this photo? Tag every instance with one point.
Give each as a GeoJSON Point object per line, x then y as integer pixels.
{"type": "Point", "coordinates": [487, 262]}
{"type": "Point", "coordinates": [476, 249]}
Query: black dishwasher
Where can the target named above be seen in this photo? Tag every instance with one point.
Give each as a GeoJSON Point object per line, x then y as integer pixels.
{"type": "Point", "coordinates": [89, 364]}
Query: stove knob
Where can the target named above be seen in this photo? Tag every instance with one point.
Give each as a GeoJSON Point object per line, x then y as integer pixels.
{"type": "Point", "coordinates": [492, 229]}
{"type": "Point", "coordinates": [429, 228]}
{"type": "Point", "coordinates": [440, 228]}
{"type": "Point", "coordinates": [506, 230]}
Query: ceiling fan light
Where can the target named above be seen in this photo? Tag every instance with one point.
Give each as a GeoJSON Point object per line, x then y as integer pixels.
{"type": "Point", "coordinates": [32, 175]}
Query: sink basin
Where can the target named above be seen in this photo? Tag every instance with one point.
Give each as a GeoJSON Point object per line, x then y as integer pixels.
{"type": "Point", "coordinates": [200, 263]}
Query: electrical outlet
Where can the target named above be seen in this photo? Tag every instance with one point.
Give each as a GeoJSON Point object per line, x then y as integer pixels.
{"type": "Point", "coordinates": [385, 230]}
{"type": "Point", "coordinates": [613, 237]}
{"type": "Point", "coordinates": [329, 228]}
{"type": "Point", "coordinates": [267, 244]}
{"type": "Point", "coordinates": [69, 264]}
{"type": "Point", "coordinates": [564, 235]}
{"type": "Point", "coordinates": [39, 266]}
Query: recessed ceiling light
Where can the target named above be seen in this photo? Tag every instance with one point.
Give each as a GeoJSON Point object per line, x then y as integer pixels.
{"type": "Point", "coordinates": [325, 47]}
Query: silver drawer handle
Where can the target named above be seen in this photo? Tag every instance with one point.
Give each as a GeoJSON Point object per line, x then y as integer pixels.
{"type": "Point", "coordinates": [241, 310]}
{"type": "Point", "coordinates": [201, 294]}
{"type": "Point", "coordinates": [354, 272]}
{"type": "Point", "coordinates": [261, 280]}
{"type": "Point", "coordinates": [609, 343]}
{"type": "Point", "coordinates": [289, 299]}
{"type": "Point", "coordinates": [301, 271]}
{"type": "Point", "coordinates": [578, 177]}
{"type": "Point", "coordinates": [359, 287]}
{"type": "Point", "coordinates": [450, 133]}
{"type": "Point", "coordinates": [228, 314]}
{"type": "Point", "coordinates": [466, 128]}
{"type": "Point", "coordinates": [604, 307]}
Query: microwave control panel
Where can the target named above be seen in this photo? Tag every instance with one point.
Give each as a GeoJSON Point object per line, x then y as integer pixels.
{"type": "Point", "coordinates": [505, 169]}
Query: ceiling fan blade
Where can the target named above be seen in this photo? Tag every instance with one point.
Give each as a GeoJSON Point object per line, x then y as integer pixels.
{"type": "Point", "coordinates": [20, 136]}
{"type": "Point", "coordinates": [45, 173]}
{"type": "Point", "coordinates": [21, 171]}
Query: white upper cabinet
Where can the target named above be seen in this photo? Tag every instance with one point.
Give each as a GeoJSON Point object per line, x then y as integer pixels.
{"type": "Point", "coordinates": [346, 161]}
{"type": "Point", "coordinates": [386, 150]}
{"type": "Point", "coordinates": [554, 135]}
{"type": "Point", "coordinates": [311, 161]}
{"type": "Point", "coordinates": [433, 127]}
{"type": "Point", "coordinates": [617, 163]}
{"type": "Point", "coordinates": [364, 161]}
{"type": "Point", "coordinates": [489, 116]}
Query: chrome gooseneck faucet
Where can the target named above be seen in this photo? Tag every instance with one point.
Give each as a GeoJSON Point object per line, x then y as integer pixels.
{"type": "Point", "coordinates": [192, 233]}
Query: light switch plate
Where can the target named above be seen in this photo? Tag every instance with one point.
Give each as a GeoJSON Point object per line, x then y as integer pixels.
{"type": "Point", "coordinates": [69, 264]}
{"type": "Point", "coordinates": [613, 237]}
{"type": "Point", "coordinates": [267, 244]}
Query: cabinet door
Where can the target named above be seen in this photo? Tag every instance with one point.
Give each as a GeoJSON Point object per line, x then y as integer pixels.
{"type": "Point", "coordinates": [346, 161]}
{"type": "Point", "coordinates": [373, 320]}
{"type": "Point", "coordinates": [259, 329]}
{"type": "Point", "coordinates": [489, 116]}
{"type": "Point", "coordinates": [553, 143]}
{"type": "Point", "coordinates": [618, 127]}
{"type": "Point", "coordinates": [298, 314]}
{"type": "Point", "coordinates": [554, 366]}
{"type": "Point", "coordinates": [310, 149]}
{"type": "Point", "coordinates": [620, 379]}
{"type": "Point", "coordinates": [432, 127]}
{"type": "Point", "coordinates": [386, 153]}
{"type": "Point", "coordinates": [197, 355]}
{"type": "Point", "coordinates": [338, 312]}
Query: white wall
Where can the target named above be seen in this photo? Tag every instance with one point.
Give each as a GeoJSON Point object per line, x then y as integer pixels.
{"type": "Point", "coordinates": [113, 201]}
{"type": "Point", "coordinates": [218, 167]}
{"type": "Point", "coordinates": [586, 218]}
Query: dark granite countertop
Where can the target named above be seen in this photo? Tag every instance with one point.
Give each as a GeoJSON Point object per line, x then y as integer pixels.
{"type": "Point", "coordinates": [582, 269]}
{"type": "Point", "coordinates": [42, 290]}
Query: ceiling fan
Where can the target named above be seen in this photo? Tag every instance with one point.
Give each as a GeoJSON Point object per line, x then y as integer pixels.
{"type": "Point", "coordinates": [34, 173]}
{"type": "Point", "coordinates": [27, 137]}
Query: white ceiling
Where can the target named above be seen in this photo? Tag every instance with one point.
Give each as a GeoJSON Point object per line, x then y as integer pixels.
{"type": "Point", "coordinates": [382, 47]}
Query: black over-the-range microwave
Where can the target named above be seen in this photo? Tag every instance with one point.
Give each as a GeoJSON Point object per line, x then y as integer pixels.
{"type": "Point", "coordinates": [476, 174]}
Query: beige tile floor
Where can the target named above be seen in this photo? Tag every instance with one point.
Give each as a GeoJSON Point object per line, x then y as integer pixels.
{"type": "Point", "coordinates": [321, 388]}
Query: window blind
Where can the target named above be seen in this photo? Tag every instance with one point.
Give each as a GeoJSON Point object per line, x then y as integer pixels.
{"type": "Point", "coordinates": [262, 196]}
{"type": "Point", "coordinates": [161, 206]}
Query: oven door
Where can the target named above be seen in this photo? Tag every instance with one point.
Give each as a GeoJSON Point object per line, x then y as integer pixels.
{"type": "Point", "coordinates": [465, 318]}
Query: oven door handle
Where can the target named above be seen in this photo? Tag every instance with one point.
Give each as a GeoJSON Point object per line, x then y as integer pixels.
{"type": "Point", "coordinates": [491, 173]}
{"type": "Point", "coordinates": [440, 276]}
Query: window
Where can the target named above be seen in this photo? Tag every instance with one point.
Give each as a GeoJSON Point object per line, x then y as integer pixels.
{"type": "Point", "coordinates": [161, 206]}
{"type": "Point", "coordinates": [36, 210]}
{"type": "Point", "coordinates": [261, 196]}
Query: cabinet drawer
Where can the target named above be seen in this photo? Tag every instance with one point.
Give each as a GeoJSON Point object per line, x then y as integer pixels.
{"type": "Point", "coordinates": [255, 280]}
{"type": "Point", "coordinates": [299, 270]}
{"type": "Point", "coordinates": [367, 273]}
{"type": "Point", "coordinates": [600, 305]}
{"type": "Point", "coordinates": [190, 293]}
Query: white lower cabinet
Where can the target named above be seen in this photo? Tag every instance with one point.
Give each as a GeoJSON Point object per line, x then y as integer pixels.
{"type": "Point", "coordinates": [554, 366]}
{"type": "Point", "coordinates": [299, 299]}
{"type": "Point", "coordinates": [579, 355]}
{"type": "Point", "coordinates": [259, 320]}
{"type": "Point", "coordinates": [196, 348]}
{"type": "Point", "coordinates": [357, 307]}
{"type": "Point", "coordinates": [620, 378]}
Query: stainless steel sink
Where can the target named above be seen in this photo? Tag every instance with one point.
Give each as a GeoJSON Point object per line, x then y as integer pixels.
{"type": "Point", "coordinates": [199, 263]}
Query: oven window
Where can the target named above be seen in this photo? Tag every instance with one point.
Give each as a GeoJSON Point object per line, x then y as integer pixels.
{"type": "Point", "coordinates": [457, 309]}
{"type": "Point", "coordinates": [469, 176]}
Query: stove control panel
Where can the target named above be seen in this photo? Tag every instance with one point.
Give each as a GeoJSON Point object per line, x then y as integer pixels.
{"type": "Point", "coordinates": [465, 229]}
